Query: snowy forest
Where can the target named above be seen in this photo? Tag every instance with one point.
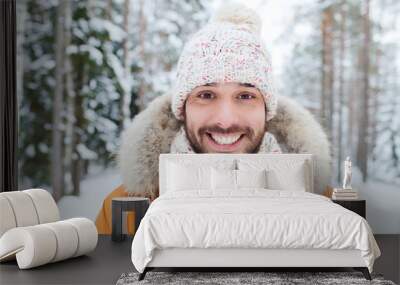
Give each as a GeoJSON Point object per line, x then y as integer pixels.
{"type": "Point", "coordinates": [86, 68]}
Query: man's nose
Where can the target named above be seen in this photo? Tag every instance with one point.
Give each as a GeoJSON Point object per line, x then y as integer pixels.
{"type": "Point", "coordinates": [226, 114]}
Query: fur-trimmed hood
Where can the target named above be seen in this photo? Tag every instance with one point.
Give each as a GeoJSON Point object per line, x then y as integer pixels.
{"type": "Point", "coordinates": [152, 131]}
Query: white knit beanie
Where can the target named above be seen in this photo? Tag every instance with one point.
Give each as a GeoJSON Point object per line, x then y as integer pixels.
{"type": "Point", "coordinates": [228, 49]}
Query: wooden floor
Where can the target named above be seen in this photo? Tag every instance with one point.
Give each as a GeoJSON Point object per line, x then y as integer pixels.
{"type": "Point", "coordinates": [110, 260]}
{"type": "Point", "coordinates": [389, 262]}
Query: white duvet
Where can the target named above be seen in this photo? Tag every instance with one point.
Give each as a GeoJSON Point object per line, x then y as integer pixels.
{"type": "Point", "coordinates": [252, 218]}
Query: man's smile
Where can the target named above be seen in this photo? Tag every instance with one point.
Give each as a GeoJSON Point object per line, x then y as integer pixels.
{"type": "Point", "coordinates": [224, 142]}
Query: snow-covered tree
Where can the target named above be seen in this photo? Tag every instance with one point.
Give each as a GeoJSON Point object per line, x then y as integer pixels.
{"type": "Point", "coordinates": [344, 71]}
{"type": "Point", "coordinates": [90, 67]}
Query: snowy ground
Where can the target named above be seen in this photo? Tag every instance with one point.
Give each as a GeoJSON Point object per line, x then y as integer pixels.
{"type": "Point", "coordinates": [93, 191]}
{"type": "Point", "coordinates": [383, 203]}
{"type": "Point", "coordinates": [383, 206]}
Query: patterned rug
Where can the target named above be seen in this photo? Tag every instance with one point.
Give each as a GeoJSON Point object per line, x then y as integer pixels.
{"type": "Point", "coordinates": [269, 278]}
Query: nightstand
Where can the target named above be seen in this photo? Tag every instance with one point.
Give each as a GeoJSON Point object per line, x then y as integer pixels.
{"type": "Point", "coordinates": [123, 204]}
{"type": "Point", "coordinates": [357, 206]}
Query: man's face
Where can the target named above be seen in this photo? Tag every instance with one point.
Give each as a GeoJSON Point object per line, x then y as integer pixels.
{"type": "Point", "coordinates": [226, 117]}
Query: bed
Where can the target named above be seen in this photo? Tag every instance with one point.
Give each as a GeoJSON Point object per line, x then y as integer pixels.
{"type": "Point", "coordinates": [247, 211]}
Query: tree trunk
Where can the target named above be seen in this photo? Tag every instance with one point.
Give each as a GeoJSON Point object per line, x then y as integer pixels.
{"type": "Point", "coordinates": [341, 88]}
{"type": "Point", "coordinates": [69, 139]}
{"type": "Point", "coordinates": [82, 79]}
{"type": "Point", "coordinates": [57, 134]}
{"type": "Point", "coordinates": [126, 96]}
{"type": "Point", "coordinates": [327, 70]}
{"type": "Point", "coordinates": [76, 173]}
{"type": "Point", "coordinates": [362, 147]}
{"type": "Point", "coordinates": [352, 115]}
{"type": "Point", "coordinates": [395, 131]}
{"type": "Point", "coordinates": [379, 87]}
{"type": "Point", "coordinates": [142, 32]}
{"type": "Point", "coordinates": [109, 9]}
{"type": "Point", "coordinates": [375, 104]}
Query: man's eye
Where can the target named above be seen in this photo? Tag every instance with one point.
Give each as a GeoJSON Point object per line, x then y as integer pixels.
{"type": "Point", "coordinates": [246, 96]}
{"type": "Point", "coordinates": [205, 95]}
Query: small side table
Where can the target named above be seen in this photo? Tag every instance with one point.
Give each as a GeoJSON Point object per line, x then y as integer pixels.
{"type": "Point", "coordinates": [122, 204]}
{"type": "Point", "coordinates": [357, 206]}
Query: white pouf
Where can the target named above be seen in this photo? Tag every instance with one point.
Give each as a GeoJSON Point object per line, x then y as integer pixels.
{"type": "Point", "coordinates": [40, 244]}
{"type": "Point", "coordinates": [30, 230]}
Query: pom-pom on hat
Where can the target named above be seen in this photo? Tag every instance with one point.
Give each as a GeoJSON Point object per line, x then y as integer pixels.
{"type": "Point", "coordinates": [227, 49]}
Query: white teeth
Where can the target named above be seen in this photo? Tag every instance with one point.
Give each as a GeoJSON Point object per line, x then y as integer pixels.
{"type": "Point", "coordinates": [225, 139]}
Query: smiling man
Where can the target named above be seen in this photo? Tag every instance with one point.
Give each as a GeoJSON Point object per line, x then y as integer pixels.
{"type": "Point", "coordinates": [222, 101]}
{"type": "Point", "coordinates": [224, 90]}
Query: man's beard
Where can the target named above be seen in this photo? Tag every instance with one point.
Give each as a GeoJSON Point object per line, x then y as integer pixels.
{"type": "Point", "coordinates": [197, 147]}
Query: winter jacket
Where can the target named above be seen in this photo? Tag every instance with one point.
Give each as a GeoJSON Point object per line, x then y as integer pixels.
{"type": "Point", "coordinates": [152, 131]}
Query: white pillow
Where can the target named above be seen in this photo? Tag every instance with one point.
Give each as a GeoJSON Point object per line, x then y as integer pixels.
{"type": "Point", "coordinates": [188, 177]}
{"type": "Point", "coordinates": [229, 179]}
{"type": "Point", "coordinates": [223, 179]}
{"type": "Point", "coordinates": [292, 180]}
{"type": "Point", "coordinates": [251, 178]}
{"type": "Point", "coordinates": [280, 174]}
